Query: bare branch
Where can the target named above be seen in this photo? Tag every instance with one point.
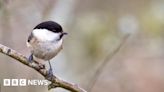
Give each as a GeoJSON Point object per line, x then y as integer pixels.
{"type": "Point", "coordinates": [107, 59]}
{"type": "Point", "coordinates": [55, 82]}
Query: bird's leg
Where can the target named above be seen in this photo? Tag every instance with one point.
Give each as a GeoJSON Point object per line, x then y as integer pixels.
{"type": "Point", "coordinates": [30, 59]}
{"type": "Point", "coordinates": [50, 72]}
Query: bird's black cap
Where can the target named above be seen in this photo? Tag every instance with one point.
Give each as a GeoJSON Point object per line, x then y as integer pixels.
{"type": "Point", "coordinates": [50, 25]}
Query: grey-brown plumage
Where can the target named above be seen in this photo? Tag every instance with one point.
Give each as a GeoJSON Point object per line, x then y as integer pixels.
{"type": "Point", "coordinates": [45, 41]}
{"type": "Point", "coordinates": [44, 50]}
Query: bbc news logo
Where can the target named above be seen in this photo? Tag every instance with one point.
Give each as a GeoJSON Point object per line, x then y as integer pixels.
{"type": "Point", "coordinates": [25, 82]}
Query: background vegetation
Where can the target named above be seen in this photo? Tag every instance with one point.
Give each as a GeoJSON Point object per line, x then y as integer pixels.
{"type": "Point", "coordinates": [96, 28]}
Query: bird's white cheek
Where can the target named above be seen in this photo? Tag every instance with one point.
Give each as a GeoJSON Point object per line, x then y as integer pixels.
{"type": "Point", "coordinates": [45, 35]}
{"type": "Point", "coordinates": [59, 43]}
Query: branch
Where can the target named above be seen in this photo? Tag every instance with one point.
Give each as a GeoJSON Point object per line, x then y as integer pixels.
{"type": "Point", "coordinates": [55, 82]}
{"type": "Point", "coordinates": [106, 61]}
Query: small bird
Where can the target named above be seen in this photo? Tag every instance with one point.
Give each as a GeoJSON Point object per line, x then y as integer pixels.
{"type": "Point", "coordinates": [45, 42]}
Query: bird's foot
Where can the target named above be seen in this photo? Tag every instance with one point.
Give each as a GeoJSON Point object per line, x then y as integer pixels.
{"type": "Point", "coordinates": [30, 59]}
{"type": "Point", "coordinates": [50, 74]}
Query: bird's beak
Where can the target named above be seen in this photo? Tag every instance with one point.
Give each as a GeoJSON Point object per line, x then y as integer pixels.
{"type": "Point", "coordinates": [64, 33]}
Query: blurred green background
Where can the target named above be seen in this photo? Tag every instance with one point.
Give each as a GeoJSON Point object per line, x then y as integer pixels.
{"type": "Point", "coordinates": [96, 54]}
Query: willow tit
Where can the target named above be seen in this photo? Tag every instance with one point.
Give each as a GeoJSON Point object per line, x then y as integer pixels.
{"type": "Point", "coordinates": [45, 41]}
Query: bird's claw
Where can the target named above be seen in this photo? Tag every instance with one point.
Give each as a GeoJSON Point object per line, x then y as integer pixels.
{"type": "Point", "coordinates": [30, 59]}
{"type": "Point", "coordinates": [50, 74]}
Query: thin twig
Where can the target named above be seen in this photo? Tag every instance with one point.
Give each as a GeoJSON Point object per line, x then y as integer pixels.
{"type": "Point", "coordinates": [104, 63]}
{"type": "Point", "coordinates": [55, 82]}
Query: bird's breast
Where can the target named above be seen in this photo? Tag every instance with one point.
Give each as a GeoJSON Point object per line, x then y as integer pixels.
{"type": "Point", "coordinates": [46, 50]}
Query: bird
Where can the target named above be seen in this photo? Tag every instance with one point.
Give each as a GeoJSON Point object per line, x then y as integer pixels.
{"type": "Point", "coordinates": [45, 42]}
